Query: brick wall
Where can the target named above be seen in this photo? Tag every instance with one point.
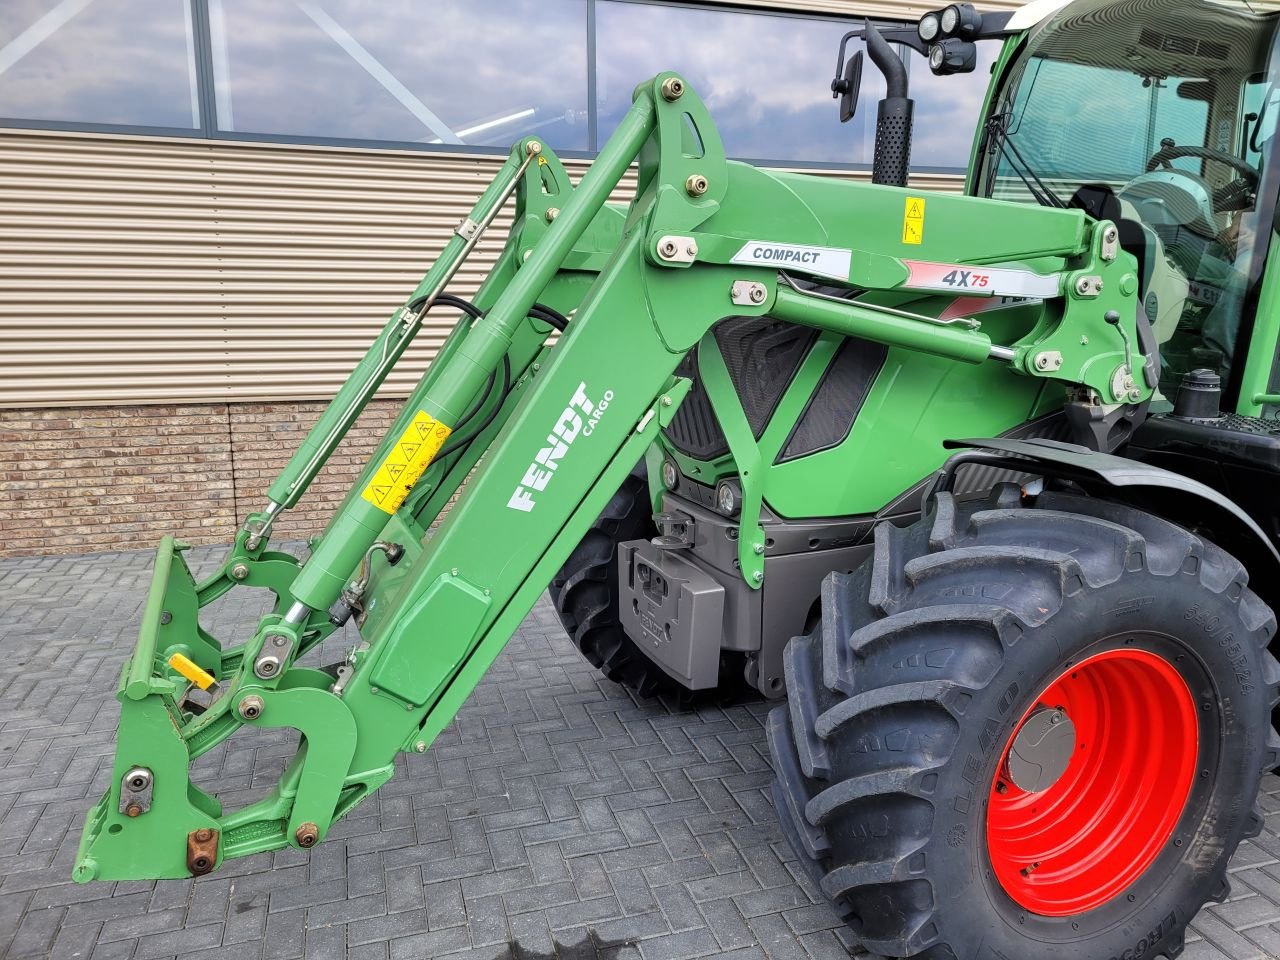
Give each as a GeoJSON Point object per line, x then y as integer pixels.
{"type": "Point", "coordinates": [107, 478]}
{"type": "Point", "coordinates": [264, 436]}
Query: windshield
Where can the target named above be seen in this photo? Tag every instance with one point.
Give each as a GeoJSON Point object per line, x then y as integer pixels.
{"type": "Point", "coordinates": [1160, 113]}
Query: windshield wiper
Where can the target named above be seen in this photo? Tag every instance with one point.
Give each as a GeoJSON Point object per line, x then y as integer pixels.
{"type": "Point", "coordinates": [996, 137]}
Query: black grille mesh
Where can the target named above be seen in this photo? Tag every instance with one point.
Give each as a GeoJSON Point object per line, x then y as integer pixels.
{"type": "Point", "coordinates": [762, 356]}
{"type": "Point", "coordinates": [694, 430]}
{"type": "Point", "coordinates": [835, 404]}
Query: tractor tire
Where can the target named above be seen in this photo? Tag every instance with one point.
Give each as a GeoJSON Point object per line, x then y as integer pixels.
{"type": "Point", "coordinates": [928, 788]}
{"type": "Point", "coordinates": [585, 593]}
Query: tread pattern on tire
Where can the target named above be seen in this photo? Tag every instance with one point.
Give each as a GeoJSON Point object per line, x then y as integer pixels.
{"type": "Point", "coordinates": [850, 748]}
{"type": "Point", "coordinates": [586, 598]}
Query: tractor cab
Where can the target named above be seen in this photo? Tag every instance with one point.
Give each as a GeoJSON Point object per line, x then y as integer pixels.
{"type": "Point", "coordinates": [1159, 115]}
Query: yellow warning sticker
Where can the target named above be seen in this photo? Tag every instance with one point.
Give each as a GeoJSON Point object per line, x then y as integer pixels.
{"type": "Point", "coordinates": [407, 461]}
{"type": "Point", "coordinates": [913, 221]}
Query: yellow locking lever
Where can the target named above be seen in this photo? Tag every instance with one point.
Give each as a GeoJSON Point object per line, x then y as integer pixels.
{"type": "Point", "coordinates": [192, 671]}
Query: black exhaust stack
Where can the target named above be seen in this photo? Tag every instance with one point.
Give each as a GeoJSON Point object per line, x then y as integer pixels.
{"type": "Point", "coordinates": [892, 163]}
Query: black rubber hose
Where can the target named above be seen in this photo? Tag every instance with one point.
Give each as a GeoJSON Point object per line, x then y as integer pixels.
{"type": "Point", "coordinates": [471, 310]}
{"type": "Point", "coordinates": [457, 441]}
{"type": "Point", "coordinates": [547, 315]}
{"type": "Point", "coordinates": [538, 311]}
{"type": "Point", "coordinates": [448, 300]}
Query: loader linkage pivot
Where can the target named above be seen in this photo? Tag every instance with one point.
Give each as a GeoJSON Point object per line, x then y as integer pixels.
{"type": "Point", "coordinates": [559, 426]}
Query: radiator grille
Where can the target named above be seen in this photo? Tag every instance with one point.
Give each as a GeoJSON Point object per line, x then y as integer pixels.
{"type": "Point", "coordinates": [834, 406]}
{"type": "Point", "coordinates": [762, 356]}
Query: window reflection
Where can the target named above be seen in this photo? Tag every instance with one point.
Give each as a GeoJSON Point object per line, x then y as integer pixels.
{"type": "Point", "coordinates": [477, 72]}
{"type": "Point", "coordinates": [947, 110]}
{"type": "Point", "coordinates": [764, 78]}
{"type": "Point", "coordinates": [98, 61]}
{"type": "Point", "coordinates": [458, 72]}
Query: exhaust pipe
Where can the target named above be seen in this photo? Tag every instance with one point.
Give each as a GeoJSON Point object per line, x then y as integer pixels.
{"type": "Point", "coordinates": [892, 163]}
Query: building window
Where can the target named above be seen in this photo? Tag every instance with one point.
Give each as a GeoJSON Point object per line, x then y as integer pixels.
{"type": "Point", "coordinates": [763, 77]}
{"type": "Point", "coordinates": [947, 111]}
{"type": "Point", "coordinates": [455, 74]}
{"type": "Point", "coordinates": [123, 62]}
{"type": "Point", "coordinates": [452, 72]}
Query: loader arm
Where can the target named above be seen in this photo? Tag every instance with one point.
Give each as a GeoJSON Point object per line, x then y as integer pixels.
{"type": "Point", "coordinates": [543, 435]}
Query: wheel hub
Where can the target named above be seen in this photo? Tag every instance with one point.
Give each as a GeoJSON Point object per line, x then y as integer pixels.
{"type": "Point", "coordinates": [1092, 782]}
{"type": "Point", "coordinates": [1041, 750]}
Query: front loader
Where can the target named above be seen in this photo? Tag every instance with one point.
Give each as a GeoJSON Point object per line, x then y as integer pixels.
{"type": "Point", "coordinates": [1028, 679]}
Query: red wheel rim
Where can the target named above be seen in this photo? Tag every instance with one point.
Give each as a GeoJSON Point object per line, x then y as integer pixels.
{"type": "Point", "coordinates": [1089, 835]}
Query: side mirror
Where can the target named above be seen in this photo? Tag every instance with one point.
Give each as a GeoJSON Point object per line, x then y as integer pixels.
{"type": "Point", "coordinates": [848, 87]}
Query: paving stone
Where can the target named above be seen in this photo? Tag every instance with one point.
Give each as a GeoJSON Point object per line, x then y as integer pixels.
{"type": "Point", "coordinates": [74, 941]}
{"type": "Point", "coordinates": [1203, 950]}
{"type": "Point", "coordinates": [1221, 936]}
{"type": "Point", "coordinates": [430, 944]}
{"type": "Point", "coordinates": [36, 932]}
{"type": "Point", "coordinates": [680, 946]}
{"type": "Point", "coordinates": [1244, 912]}
{"type": "Point", "coordinates": [725, 921]}
{"type": "Point", "coordinates": [1267, 937]}
{"type": "Point", "coordinates": [342, 912]}
{"type": "Point", "coordinates": [825, 945]}
{"type": "Point", "coordinates": [486, 920]}
{"type": "Point", "coordinates": [324, 943]}
{"type": "Point", "coordinates": [678, 907]}
{"type": "Point", "coordinates": [284, 937]}
{"type": "Point", "coordinates": [176, 942]}
{"type": "Point", "coordinates": [539, 897]}
{"type": "Point", "coordinates": [245, 925]}
{"type": "Point", "coordinates": [290, 897]}
{"type": "Point", "coordinates": [404, 889]}
{"type": "Point", "coordinates": [557, 815]}
{"type": "Point", "coordinates": [633, 892]}
{"type": "Point", "coordinates": [583, 912]}
{"type": "Point", "coordinates": [121, 950]}
{"type": "Point", "coordinates": [138, 924]}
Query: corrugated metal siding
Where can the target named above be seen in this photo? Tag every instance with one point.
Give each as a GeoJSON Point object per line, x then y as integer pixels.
{"type": "Point", "coordinates": [136, 270]}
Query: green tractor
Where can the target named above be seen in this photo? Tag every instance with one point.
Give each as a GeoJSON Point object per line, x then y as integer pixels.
{"type": "Point", "coordinates": [976, 481]}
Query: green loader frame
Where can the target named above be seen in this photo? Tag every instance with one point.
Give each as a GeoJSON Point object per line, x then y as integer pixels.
{"type": "Point", "coordinates": [703, 239]}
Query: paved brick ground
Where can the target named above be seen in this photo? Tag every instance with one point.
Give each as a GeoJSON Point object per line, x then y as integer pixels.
{"type": "Point", "coordinates": [556, 817]}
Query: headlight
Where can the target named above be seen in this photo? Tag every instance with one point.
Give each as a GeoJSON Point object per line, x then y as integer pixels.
{"type": "Point", "coordinates": [728, 497]}
{"type": "Point", "coordinates": [961, 20]}
{"type": "Point", "coordinates": [953, 56]}
{"type": "Point", "coordinates": [670, 475]}
{"type": "Point", "coordinates": [929, 27]}
{"type": "Point", "coordinates": [950, 19]}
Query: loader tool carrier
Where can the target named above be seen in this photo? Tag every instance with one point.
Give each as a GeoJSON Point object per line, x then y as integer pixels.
{"type": "Point", "coordinates": [983, 484]}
